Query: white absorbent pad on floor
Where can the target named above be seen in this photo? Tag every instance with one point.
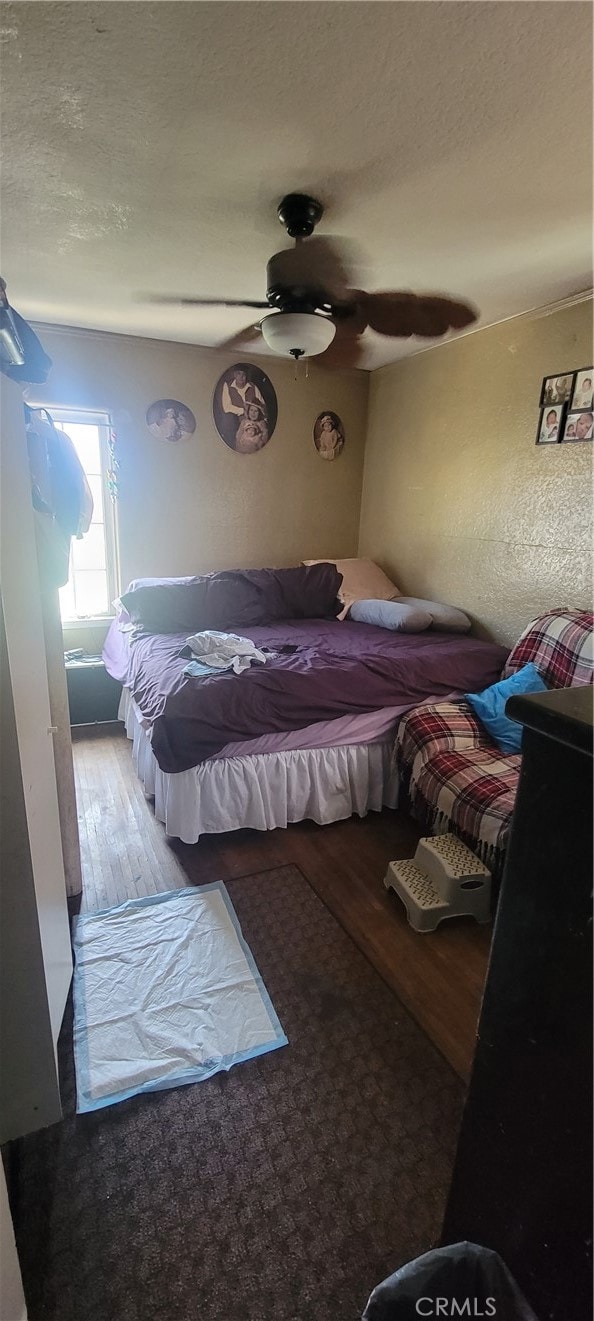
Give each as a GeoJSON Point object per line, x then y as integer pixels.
{"type": "Point", "coordinates": [166, 992]}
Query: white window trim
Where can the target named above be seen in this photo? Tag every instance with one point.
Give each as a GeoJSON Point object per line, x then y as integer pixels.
{"type": "Point", "coordinates": [87, 621]}
{"type": "Point", "coordinates": [100, 418]}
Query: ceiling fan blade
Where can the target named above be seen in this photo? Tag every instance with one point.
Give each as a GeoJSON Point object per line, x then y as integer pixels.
{"type": "Point", "coordinates": [173, 301]}
{"type": "Point", "coordinates": [344, 354]}
{"type": "Point", "coordinates": [242, 339]}
{"type": "Point", "coordinates": [426, 315]}
{"type": "Point", "coordinates": [346, 349]}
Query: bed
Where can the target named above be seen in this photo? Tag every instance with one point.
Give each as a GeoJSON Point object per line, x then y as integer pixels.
{"type": "Point", "coordinates": [309, 735]}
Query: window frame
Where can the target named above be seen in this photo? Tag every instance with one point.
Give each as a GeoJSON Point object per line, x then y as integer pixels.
{"type": "Point", "coordinates": [101, 418]}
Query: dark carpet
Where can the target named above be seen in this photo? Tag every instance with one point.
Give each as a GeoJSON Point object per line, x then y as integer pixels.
{"type": "Point", "coordinates": [281, 1191]}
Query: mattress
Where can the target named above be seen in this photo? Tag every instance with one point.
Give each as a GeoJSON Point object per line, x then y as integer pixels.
{"type": "Point", "coordinates": [263, 791]}
{"type": "Point", "coordinates": [327, 680]}
{"type": "Point", "coordinates": [369, 727]}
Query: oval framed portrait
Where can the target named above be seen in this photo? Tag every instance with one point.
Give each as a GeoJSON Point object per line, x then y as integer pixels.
{"type": "Point", "coordinates": [328, 435]}
{"type": "Point", "coordinates": [244, 408]}
{"type": "Point", "coordinates": [168, 419]}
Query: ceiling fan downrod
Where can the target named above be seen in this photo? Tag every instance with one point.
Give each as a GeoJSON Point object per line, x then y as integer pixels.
{"type": "Point", "coordinates": [299, 214]}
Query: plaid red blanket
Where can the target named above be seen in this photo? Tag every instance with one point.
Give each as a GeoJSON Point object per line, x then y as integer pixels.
{"type": "Point", "coordinates": [453, 773]}
{"type": "Point", "coordinates": [560, 644]}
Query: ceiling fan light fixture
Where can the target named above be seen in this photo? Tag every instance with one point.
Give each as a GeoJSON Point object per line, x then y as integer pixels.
{"type": "Point", "coordinates": [297, 334]}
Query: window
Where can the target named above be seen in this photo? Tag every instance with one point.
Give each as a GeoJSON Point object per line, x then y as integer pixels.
{"type": "Point", "coordinates": [93, 581]}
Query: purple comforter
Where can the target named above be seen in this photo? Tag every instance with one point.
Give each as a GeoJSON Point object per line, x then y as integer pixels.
{"type": "Point", "coordinates": [338, 668]}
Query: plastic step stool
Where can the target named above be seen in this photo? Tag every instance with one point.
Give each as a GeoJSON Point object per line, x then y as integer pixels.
{"type": "Point", "coordinates": [453, 868]}
{"type": "Point", "coordinates": [444, 879]}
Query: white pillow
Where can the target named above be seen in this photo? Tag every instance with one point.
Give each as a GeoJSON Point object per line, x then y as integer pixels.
{"type": "Point", "coordinates": [395, 615]}
{"type": "Point", "coordinates": [444, 618]}
{"type": "Point", "coordinates": [362, 580]}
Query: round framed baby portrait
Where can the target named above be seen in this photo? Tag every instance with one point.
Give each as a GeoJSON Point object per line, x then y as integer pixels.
{"type": "Point", "coordinates": [244, 408]}
{"type": "Point", "coordinates": [328, 435]}
{"type": "Point", "coordinates": [167, 419]}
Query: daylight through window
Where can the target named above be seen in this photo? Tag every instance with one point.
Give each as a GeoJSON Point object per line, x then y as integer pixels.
{"type": "Point", "coordinates": [93, 579]}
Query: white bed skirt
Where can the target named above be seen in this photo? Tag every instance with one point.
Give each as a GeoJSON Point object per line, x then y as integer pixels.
{"type": "Point", "coordinates": [265, 790]}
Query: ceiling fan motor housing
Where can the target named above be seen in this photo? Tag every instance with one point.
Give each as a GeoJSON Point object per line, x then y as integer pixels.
{"type": "Point", "coordinates": [296, 298]}
{"type": "Point", "coordinates": [289, 285]}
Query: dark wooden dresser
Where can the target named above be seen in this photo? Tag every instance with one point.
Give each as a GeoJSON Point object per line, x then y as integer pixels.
{"type": "Point", "coordinates": [522, 1181]}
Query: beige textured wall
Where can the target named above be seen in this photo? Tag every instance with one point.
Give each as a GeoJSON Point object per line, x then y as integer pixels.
{"type": "Point", "coordinates": [459, 504]}
{"type": "Point", "coordinates": [196, 505]}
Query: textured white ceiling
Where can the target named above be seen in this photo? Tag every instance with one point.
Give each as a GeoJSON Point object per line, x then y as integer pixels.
{"type": "Point", "coordinates": [146, 146]}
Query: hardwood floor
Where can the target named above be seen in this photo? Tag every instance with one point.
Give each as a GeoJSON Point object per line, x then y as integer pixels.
{"type": "Point", "coordinates": [125, 853]}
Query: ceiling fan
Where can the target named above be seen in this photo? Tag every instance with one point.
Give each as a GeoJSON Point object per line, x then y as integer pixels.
{"type": "Point", "coordinates": [311, 308]}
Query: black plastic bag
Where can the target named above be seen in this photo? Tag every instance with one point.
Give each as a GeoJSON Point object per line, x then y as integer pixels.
{"type": "Point", "coordinates": [22, 356]}
{"type": "Point", "coordinates": [463, 1280]}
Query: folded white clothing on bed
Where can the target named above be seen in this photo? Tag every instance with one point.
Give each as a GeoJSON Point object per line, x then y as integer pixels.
{"type": "Point", "coordinates": [224, 651]}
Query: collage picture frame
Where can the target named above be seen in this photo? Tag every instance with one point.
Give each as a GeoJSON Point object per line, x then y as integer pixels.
{"type": "Point", "coordinates": [566, 408]}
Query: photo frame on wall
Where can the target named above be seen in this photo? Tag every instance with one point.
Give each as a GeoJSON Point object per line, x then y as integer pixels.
{"type": "Point", "coordinates": [583, 389]}
{"type": "Point", "coordinates": [578, 426]}
{"type": "Point", "coordinates": [245, 408]}
{"type": "Point", "coordinates": [550, 424]}
{"type": "Point", "coordinates": [169, 419]}
{"type": "Point", "coordinates": [557, 389]}
{"type": "Point", "coordinates": [329, 435]}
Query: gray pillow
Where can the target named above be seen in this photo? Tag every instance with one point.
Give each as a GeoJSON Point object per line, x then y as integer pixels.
{"type": "Point", "coordinates": [396, 615]}
{"type": "Point", "coordinates": [444, 618]}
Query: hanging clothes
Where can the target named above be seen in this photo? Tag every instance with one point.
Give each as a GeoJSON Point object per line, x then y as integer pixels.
{"type": "Point", "coordinates": [61, 493]}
